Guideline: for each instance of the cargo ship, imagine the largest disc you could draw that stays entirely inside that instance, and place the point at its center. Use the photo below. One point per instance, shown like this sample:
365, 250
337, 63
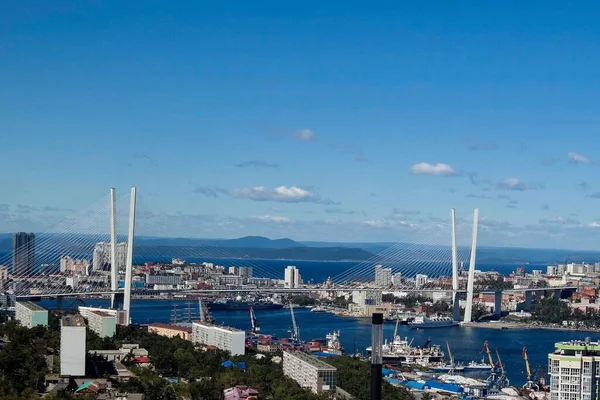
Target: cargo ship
433, 322
239, 304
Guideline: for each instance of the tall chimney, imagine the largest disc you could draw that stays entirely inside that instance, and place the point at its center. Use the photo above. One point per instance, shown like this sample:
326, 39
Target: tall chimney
376, 355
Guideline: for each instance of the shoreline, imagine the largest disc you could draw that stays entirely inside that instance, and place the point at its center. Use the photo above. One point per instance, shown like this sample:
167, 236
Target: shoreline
523, 327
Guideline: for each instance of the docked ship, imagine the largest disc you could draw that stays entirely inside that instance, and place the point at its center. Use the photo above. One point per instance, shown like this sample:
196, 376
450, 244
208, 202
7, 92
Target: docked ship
400, 350
240, 304
478, 366
432, 322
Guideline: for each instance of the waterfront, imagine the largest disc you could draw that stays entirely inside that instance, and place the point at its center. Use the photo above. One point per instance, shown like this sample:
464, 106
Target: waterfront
466, 343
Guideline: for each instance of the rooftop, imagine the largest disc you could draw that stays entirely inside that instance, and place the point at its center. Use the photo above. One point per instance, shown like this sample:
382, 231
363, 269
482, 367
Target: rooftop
187, 329
32, 306
307, 358
222, 327
102, 313
73, 320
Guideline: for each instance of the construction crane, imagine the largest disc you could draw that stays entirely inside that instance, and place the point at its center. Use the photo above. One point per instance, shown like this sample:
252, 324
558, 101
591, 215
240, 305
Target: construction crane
253, 320
451, 358
531, 383
502, 379
295, 332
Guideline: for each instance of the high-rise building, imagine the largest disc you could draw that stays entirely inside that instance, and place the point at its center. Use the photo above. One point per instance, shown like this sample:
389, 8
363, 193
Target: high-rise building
75, 266
103, 323
222, 337
292, 278
310, 372
102, 256
383, 276
30, 314
23, 253
574, 370
420, 280
72, 346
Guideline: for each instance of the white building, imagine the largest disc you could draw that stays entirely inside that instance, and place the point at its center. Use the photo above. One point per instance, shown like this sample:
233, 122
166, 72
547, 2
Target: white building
310, 372
397, 279
3, 273
30, 314
72, 346
75, 266
551, 270
292, 278
383, 276
102, 256
223, 337
103, 323
574, 370
120, 316
420, 280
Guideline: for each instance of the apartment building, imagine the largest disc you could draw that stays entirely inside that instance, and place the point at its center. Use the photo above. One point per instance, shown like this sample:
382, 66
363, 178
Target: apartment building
30, 314
222, 337
310, 372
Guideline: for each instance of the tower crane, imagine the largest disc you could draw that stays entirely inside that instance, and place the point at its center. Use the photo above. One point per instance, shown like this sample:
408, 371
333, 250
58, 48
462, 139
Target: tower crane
295, 332
451, 358
492, 378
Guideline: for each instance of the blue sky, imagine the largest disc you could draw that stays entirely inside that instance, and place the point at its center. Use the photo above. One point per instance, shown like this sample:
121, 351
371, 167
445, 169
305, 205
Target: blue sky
339, 121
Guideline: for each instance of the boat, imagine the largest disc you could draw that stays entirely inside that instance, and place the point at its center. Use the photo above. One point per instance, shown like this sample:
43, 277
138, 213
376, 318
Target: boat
432, 322
478, 366
445, 367
239, 304
400, 350
334, 347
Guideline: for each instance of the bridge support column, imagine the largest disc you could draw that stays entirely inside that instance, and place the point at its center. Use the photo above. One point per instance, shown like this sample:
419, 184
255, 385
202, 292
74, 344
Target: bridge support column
455, 295
498, 303
557, 293
528, 300
114, 268
59, 303
470, 282
129, 265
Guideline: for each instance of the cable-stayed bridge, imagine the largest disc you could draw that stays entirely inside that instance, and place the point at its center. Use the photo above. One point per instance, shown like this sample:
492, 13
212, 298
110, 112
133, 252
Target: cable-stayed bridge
93, 253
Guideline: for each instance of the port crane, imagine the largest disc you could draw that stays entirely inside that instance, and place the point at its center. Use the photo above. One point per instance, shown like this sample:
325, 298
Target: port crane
451, 359
531, 383
502, 380
295, 330
253, 320
493, 375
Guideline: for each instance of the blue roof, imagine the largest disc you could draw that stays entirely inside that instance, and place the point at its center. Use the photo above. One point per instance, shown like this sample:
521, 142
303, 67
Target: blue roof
447, 387
415, 385
322, 354
84, 386
230, 363
387, 372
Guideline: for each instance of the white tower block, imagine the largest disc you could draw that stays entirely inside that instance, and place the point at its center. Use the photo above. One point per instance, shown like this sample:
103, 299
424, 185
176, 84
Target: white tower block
469, 308
129, 265
114, 269
455, 295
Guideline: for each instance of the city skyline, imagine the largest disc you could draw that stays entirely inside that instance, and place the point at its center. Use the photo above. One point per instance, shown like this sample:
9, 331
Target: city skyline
310, 122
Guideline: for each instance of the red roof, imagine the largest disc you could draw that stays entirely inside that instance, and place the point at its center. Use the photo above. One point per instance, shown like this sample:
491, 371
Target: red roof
141, 360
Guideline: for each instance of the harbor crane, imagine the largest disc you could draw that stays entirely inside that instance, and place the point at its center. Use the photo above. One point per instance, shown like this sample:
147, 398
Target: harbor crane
253, 320
502, 380
493, 375
295, 330
531, 383
451, 358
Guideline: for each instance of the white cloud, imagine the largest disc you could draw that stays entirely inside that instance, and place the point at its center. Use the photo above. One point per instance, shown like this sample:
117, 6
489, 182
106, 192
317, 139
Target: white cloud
272, 218
284, 194
576, 158
558, 221
594, 224
516, 184
439, 169
374, 223
305, 135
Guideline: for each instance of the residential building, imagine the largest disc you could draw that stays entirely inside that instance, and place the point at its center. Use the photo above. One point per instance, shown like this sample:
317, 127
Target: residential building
23, 253
168, 330
30, 314
118, 355
119, 314
75, 266
420, 280
102, 256
383, 276
397, 279
574, 369
3, 276
223, 337
310, 372
551, 270
240, 393
292, 278
72, 345
163, 279
245, 272
103, 323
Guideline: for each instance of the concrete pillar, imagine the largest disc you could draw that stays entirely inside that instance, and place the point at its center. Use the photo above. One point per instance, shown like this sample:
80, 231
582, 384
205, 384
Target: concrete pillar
528, 300
455, 295
129, 265
498, 303
114, 270
557, 293
59, 303
471, 280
